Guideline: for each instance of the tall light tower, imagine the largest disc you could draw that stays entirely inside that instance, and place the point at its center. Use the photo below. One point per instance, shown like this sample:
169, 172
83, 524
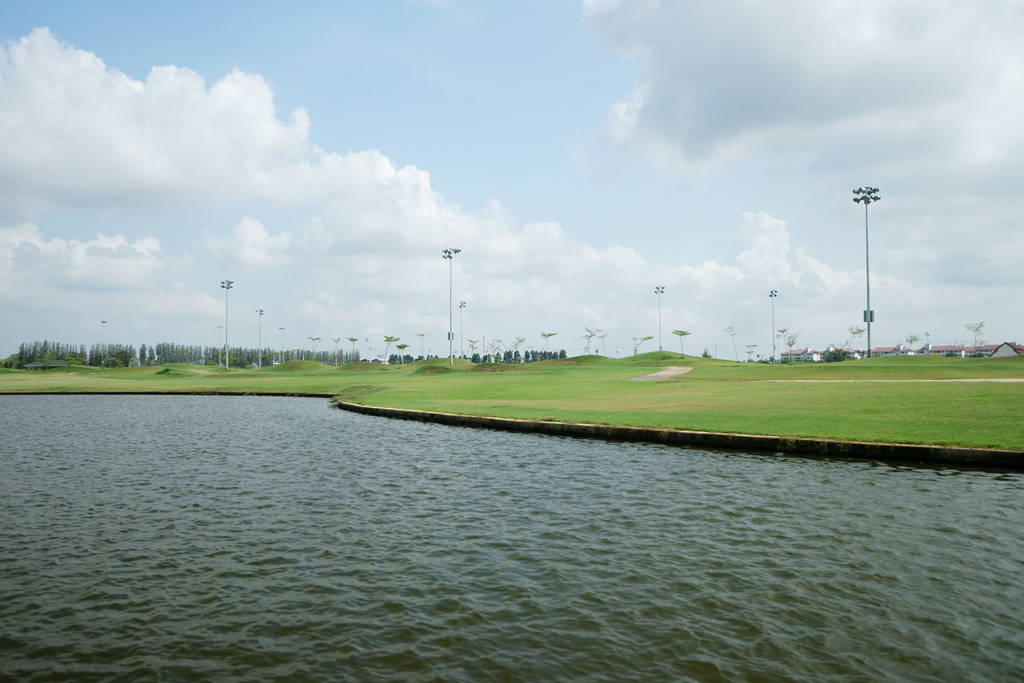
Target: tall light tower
659, 290
867, 195
259, 338
462, 307
280, 357
449, 255
771, 297
103, 353
226, 285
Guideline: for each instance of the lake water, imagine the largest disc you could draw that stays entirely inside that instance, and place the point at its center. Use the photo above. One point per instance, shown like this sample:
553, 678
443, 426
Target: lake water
258, 538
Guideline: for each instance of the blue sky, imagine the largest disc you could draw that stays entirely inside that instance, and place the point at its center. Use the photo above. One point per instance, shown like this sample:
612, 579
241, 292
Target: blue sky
578, 153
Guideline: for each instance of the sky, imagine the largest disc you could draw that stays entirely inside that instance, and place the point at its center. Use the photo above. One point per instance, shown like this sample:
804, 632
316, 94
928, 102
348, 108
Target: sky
322, 154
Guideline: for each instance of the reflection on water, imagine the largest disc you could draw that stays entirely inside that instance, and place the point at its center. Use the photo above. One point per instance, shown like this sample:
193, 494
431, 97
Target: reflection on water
245, 538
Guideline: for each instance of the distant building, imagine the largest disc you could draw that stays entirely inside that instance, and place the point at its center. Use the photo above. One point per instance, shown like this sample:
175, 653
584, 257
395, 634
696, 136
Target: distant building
1007, 349
947, 351
808, 355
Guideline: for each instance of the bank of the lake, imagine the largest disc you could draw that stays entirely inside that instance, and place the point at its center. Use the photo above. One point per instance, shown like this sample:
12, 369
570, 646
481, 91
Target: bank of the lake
238, 538
932, 401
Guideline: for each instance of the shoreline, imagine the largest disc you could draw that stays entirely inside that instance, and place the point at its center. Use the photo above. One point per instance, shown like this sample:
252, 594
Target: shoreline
825, 448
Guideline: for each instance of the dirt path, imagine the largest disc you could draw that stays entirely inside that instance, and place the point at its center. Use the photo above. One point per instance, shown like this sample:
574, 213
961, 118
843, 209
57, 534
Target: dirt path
663, 374
201, 372
839, 381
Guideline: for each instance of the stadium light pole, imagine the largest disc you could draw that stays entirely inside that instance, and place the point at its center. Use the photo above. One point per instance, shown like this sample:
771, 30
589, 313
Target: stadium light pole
259, 338
226, 285
771, 297
462, 307
867, 195
449, 255
659, 290
103, 354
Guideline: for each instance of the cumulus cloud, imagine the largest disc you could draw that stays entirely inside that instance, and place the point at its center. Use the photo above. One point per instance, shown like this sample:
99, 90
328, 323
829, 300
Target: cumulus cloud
364, 256
869, 80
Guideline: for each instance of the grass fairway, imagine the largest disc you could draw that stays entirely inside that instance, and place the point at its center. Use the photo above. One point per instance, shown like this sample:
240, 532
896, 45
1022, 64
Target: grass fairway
882, 399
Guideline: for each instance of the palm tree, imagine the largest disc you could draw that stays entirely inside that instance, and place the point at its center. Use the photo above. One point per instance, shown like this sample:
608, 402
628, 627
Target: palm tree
337, 351
421, 335
602, 342
516, 344
976, 329
496, 347
353, 340
401, 352
637, 341
750, 351
589, 335
313, 342
388, 341
731, 331
472, 345
546, 336
682, 334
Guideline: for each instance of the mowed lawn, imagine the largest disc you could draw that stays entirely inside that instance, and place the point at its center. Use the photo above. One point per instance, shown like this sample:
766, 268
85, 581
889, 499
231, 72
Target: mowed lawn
882, 399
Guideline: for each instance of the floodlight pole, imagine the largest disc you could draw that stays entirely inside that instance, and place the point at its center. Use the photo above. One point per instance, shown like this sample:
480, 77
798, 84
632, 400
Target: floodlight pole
259, 338
449, 255
462, 307
771, 297
659, 290
226, 285
866, 195
103, 353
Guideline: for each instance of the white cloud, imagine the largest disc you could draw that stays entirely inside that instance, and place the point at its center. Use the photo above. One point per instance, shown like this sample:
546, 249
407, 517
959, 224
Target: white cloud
250, 244
893, 83
366, 260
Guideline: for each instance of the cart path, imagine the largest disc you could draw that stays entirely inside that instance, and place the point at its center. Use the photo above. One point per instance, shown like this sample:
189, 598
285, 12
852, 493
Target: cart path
663, 374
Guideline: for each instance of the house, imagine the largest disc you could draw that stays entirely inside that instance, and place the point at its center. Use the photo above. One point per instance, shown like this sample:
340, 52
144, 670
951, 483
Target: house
886, 351
1007, 349
947, 351
983, 350
805, 355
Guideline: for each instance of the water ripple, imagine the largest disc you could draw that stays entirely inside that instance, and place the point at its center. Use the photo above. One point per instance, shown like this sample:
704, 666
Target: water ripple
240, 538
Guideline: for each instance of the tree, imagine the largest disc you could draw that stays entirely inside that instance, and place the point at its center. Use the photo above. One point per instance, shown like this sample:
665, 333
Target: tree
854, 333
516, 356
790, 339
401, 352
496, 346
912, 339
731, 331
976, 329
472, 343
750, 351
388, 341
682, 334
313, 341
637, 341
355, 354
588, 335
546, 336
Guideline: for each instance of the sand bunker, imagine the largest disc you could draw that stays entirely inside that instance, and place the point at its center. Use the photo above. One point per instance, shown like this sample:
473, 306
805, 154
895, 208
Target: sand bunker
663, 374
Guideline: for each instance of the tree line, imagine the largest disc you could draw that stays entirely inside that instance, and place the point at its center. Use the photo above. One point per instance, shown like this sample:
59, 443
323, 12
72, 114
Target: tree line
125, 355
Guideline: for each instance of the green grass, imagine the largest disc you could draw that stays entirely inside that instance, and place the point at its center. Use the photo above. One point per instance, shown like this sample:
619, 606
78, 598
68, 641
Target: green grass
715, 396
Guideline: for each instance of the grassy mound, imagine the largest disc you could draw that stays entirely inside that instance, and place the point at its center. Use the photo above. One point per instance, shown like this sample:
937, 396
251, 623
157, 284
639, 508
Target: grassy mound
297, 366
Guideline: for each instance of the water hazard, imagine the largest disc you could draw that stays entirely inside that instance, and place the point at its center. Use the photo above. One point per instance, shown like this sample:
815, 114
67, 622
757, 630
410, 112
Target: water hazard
254, 538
